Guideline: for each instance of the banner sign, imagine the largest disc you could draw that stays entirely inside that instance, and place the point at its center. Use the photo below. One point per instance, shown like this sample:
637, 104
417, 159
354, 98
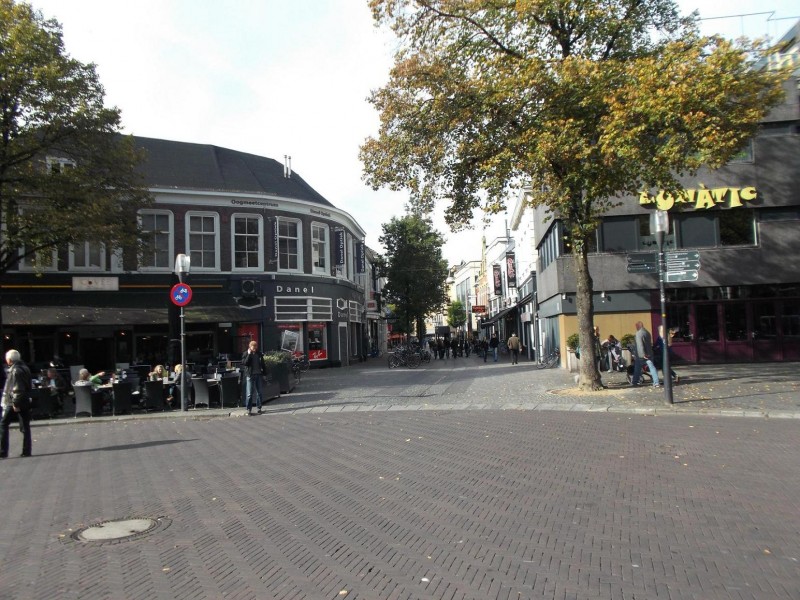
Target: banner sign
274, 225
338, 240
511, 270
361, 257
498, 280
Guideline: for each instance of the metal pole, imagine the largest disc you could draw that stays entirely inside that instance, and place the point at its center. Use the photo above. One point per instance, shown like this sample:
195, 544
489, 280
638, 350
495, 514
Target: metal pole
183, 364
665, 337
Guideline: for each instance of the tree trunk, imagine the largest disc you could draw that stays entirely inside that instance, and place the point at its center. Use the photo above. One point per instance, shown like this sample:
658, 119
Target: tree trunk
589, 375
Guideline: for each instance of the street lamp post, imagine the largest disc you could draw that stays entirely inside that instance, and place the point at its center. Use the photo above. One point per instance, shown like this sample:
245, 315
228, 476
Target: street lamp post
659, 226
182, 267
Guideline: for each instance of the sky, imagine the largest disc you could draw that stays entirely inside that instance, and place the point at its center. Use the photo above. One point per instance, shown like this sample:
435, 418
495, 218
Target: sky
277, 78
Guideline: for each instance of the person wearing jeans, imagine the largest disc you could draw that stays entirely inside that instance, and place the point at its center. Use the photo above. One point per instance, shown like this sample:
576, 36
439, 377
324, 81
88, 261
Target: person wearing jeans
253, 368
644, 354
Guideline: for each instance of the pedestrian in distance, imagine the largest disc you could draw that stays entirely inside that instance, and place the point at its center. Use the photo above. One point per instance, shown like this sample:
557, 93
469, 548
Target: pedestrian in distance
484, 349
494, 343
16, 403
253, 367
644, 355
658, 354
514, 346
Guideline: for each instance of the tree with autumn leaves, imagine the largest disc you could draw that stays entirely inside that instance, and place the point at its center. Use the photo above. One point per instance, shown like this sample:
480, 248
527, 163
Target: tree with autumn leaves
67, 176
583, 101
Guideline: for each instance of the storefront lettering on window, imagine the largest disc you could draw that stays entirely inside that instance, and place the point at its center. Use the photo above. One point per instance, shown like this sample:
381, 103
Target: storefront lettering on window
701, 198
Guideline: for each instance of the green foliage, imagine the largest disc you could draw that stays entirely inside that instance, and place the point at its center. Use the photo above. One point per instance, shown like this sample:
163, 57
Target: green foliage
456, 314
52, 107
627, 340
414, 269
577, 102
274, 358
573, 342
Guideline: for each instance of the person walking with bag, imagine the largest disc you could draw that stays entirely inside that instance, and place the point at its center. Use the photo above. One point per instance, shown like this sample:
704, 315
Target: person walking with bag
253, 367
16, 403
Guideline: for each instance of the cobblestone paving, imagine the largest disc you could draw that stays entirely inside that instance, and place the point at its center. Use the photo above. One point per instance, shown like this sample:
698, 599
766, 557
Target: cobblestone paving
393, 491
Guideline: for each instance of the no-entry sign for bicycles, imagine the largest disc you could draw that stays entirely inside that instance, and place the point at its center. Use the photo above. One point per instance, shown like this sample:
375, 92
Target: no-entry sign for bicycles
180, 294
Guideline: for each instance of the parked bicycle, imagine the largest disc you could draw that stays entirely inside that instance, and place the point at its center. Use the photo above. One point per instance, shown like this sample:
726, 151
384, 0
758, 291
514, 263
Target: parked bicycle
551, 361
404, 356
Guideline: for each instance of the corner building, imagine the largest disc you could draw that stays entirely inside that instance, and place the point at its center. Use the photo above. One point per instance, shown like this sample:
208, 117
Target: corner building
271, 260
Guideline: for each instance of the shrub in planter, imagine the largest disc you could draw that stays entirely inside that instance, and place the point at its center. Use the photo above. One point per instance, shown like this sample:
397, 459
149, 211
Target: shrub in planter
573, 344
627, 340
280, 366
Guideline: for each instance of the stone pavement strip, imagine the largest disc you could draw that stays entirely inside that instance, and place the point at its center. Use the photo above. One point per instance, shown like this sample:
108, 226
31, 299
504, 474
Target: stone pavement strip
325, 497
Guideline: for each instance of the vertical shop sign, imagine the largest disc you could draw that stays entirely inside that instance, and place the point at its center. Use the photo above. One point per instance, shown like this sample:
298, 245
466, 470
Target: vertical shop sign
274, 240
498, 280
338, 240
511, 270
361, 257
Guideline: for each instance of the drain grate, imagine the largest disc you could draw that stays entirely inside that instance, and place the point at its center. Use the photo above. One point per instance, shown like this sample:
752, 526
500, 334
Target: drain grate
117, 531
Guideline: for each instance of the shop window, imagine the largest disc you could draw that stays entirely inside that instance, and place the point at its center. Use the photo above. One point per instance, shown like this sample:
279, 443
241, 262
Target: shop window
293, 308
158, 240
707, 323
737, 228
356, 310
317, 341
202, 240
319, 248
619, 234
765, 325
790, 319
735, 323
248, 239
678, 321
290, 243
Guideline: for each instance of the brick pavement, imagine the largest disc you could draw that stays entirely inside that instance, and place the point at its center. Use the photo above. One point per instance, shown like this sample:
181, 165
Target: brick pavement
388, 491
481, 504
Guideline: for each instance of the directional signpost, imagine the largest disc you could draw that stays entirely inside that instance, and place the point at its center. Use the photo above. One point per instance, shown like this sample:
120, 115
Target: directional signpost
682, 266
642, 262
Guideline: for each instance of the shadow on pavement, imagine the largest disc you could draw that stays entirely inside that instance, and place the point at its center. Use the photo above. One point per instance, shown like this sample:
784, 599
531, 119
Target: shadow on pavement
121, 447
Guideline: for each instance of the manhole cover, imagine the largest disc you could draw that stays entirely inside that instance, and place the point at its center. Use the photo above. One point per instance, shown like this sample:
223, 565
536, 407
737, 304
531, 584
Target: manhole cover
118, 530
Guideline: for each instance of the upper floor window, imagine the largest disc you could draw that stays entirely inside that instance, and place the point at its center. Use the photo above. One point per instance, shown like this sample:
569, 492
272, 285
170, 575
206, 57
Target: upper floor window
319, 248
59, 165
290, 245
157, 229
248, 248
87, 256
202, 240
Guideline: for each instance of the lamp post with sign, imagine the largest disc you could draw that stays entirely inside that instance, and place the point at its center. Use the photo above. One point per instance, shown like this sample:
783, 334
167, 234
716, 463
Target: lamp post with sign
659, 226
181, 295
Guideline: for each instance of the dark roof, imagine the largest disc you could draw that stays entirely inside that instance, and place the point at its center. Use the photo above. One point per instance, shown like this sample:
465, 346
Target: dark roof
181, 165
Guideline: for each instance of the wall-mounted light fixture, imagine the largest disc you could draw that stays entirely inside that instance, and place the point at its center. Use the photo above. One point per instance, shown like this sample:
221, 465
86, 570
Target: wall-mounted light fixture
563, 295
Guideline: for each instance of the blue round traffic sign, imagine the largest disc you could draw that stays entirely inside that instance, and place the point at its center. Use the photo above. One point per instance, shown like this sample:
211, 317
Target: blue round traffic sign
181, 294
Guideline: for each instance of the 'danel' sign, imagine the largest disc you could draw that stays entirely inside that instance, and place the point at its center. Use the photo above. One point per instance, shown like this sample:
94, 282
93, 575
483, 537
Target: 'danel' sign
180, 294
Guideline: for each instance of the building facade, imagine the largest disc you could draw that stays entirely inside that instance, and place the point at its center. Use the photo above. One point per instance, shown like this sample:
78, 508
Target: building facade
740, 222
271, 260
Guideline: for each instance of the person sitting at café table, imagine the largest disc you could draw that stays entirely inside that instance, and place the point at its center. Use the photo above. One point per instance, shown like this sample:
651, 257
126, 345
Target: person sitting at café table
85, 378
175, 389
56, 384
157, 373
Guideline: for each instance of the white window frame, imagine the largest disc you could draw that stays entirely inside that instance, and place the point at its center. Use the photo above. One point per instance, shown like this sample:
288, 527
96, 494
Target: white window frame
24, 264
196, 267
171, 241
87, 247
57, 164
299, 240
260, 265
326, 268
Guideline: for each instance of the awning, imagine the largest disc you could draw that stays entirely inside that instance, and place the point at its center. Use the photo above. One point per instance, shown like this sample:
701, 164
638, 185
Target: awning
493, 319
70, 316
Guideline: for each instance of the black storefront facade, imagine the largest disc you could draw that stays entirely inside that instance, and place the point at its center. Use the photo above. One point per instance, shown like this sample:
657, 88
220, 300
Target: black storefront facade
272, 261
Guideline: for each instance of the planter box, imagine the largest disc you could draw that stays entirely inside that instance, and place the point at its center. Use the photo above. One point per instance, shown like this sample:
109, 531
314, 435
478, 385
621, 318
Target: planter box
271, 389
573, 362
281, 374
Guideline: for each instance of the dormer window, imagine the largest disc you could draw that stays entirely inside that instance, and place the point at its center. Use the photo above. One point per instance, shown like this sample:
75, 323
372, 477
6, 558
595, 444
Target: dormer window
57, 165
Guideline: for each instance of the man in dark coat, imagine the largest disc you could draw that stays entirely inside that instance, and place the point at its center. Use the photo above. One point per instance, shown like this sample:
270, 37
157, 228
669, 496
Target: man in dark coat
16, 403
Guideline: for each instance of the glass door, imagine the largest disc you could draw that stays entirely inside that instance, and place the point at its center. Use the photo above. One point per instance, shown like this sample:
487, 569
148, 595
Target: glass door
709, 338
